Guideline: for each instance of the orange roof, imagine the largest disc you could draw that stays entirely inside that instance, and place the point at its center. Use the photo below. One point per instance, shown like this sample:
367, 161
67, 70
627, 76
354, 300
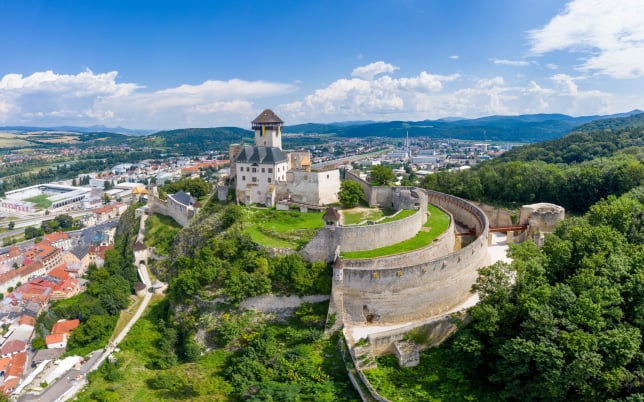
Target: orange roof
65, 326
60, 271
54, 237
104, 210
139, 190
54, 338
17, 365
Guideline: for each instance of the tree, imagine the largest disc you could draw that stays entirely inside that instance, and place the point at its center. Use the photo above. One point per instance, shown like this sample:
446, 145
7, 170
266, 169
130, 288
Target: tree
65, 221
350, 194
31, 232
11, 225
382, 176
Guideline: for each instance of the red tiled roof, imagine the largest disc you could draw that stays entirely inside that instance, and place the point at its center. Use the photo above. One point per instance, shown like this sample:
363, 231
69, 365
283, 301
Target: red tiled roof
65, 326
60, 271
53, 237
13, 346
54, 338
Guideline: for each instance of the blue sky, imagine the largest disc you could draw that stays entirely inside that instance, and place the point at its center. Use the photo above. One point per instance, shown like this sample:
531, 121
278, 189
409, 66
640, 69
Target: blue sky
170, 64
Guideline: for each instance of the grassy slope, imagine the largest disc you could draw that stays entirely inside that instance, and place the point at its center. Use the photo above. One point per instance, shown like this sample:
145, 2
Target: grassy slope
160, 231
285, 229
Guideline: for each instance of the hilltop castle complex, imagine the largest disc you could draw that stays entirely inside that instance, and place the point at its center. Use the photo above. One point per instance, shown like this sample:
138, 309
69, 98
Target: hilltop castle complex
265, 174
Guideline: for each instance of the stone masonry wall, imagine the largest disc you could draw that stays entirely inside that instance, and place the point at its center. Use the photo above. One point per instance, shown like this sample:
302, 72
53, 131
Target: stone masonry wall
421, 289
441, 246
159, 206
358, 238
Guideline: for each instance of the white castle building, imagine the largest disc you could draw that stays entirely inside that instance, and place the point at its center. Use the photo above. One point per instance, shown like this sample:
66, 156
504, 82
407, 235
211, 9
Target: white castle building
264, 174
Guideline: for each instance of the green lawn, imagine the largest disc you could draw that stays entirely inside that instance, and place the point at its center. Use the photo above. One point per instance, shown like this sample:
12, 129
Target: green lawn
41, 201
356, 215
437, 222
400, 215
284, 229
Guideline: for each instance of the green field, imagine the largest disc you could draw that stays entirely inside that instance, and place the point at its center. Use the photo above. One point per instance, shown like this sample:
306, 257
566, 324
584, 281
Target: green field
41, 201
283, 229
437, 222
400, 215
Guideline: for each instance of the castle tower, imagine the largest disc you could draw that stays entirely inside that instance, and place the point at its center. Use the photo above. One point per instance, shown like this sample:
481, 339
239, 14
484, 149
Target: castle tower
268, 129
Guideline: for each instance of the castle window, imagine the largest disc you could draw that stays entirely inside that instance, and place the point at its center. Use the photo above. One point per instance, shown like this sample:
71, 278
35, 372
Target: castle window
263, 170
269, 179
254, 170
248, 169
270, 170
243, 178
241, 168
254, 179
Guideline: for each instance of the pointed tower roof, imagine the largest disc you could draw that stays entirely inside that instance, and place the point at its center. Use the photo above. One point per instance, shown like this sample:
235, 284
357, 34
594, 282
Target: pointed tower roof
267, 117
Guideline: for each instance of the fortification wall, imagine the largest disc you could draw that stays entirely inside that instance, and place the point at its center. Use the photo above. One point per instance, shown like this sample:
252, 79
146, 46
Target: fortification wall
497, 216
163, 207
420, 289
441, 246
425, 334
358, 238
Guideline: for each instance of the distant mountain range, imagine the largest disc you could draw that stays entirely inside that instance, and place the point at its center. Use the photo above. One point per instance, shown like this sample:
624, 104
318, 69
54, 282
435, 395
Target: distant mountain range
77, 129
523, 128
520, 129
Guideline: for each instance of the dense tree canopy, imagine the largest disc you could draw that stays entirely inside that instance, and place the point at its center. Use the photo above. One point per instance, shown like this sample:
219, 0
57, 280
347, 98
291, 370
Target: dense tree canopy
382, 175
350, 193
563, 322
197, 187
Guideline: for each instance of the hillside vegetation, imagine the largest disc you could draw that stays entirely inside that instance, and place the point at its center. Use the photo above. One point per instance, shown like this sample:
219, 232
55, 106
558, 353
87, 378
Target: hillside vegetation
575, 171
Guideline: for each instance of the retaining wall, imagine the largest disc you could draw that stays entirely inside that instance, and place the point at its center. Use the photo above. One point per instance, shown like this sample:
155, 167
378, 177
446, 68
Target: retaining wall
359, 238
419, 289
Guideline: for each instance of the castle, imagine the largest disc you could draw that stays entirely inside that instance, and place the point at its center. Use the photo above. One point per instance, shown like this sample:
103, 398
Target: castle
264, 174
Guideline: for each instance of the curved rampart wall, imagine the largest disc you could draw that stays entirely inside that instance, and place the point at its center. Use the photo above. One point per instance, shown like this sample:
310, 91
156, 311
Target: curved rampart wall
441, 246
423, 288
358, 238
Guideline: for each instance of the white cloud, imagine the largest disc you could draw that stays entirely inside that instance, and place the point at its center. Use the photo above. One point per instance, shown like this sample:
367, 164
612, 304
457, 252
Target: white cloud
552, 66
86, 98
47, 98
610, 32
369, 71
514, 63
428, 96
454, 57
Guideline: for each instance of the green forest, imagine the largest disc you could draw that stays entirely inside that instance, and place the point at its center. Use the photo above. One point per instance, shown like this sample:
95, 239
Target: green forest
574, 171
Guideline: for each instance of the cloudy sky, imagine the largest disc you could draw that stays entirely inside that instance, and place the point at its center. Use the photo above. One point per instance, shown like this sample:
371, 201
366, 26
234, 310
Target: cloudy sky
169, 64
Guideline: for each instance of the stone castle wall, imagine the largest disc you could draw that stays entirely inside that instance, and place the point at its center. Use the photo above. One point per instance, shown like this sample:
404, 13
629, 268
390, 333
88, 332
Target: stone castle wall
441, 246
176, 211
359, 238
418, 289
